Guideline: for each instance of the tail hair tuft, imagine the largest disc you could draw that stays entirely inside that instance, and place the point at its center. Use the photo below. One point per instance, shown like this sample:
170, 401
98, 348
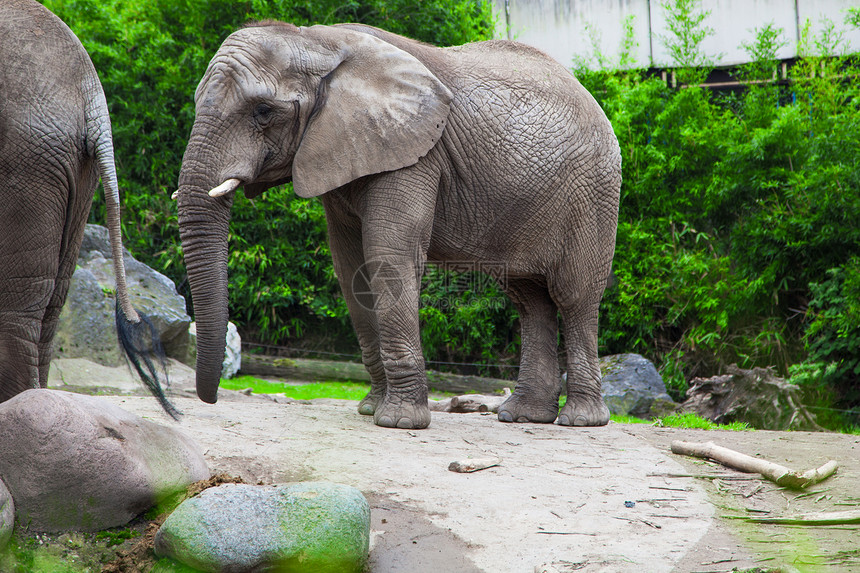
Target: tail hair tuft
141, 345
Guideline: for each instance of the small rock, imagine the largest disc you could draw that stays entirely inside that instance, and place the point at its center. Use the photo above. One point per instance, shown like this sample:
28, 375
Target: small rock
232, 352
7, 515
632, 386
473, 465
75, 462
313, 527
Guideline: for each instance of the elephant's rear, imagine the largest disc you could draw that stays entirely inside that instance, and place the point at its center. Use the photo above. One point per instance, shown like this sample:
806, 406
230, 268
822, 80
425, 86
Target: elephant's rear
48, 184
550, 157
42, 83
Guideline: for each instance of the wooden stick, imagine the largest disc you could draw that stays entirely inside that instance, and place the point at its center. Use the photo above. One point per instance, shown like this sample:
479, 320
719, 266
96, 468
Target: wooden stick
478, 402
473, 465
443, 405
470, 403
822, 518
776, 473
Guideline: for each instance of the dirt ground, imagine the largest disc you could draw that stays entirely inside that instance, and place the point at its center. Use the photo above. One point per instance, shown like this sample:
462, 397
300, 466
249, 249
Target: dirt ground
561, 499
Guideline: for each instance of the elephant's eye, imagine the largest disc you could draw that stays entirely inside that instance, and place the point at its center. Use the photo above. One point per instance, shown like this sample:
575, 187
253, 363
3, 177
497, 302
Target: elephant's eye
263, 113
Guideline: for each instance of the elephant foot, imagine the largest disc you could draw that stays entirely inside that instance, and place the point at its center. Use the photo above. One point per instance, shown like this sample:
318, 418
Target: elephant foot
368, 404
584, 411
519, 408
402, 414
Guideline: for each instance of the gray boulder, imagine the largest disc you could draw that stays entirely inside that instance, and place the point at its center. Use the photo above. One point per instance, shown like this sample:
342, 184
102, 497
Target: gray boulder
75, 462
316, 527
633, 387
757, 397
87, 377
7, 515
86, 328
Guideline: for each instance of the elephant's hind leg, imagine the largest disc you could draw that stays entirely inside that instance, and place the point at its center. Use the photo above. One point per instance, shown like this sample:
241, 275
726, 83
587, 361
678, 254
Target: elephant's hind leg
19, 348
535, 398
585, 405
28, 268
80, 200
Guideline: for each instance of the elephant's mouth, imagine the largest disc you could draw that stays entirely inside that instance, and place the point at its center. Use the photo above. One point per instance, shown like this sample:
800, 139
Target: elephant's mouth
254, 189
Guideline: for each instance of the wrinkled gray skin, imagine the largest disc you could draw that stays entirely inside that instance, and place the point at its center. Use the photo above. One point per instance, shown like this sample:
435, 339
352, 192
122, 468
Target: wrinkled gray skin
488, 152
55, 143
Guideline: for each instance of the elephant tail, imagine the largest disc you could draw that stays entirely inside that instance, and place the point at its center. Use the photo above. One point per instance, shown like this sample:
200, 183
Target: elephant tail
141, 344
138, 338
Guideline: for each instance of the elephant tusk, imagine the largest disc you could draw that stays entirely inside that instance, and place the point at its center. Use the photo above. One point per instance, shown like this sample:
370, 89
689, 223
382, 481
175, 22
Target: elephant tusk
225, 188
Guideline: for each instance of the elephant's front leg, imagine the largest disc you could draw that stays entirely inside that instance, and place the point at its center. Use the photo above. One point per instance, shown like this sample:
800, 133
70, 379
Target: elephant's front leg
348, 258
397, 219
395, 283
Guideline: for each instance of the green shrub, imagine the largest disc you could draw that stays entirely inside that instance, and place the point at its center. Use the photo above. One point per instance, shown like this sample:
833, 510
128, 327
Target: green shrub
831, 373
734, 208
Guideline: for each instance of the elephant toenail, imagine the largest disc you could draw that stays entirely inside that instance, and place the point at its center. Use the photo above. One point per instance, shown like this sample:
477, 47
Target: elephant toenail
563, 420
505, 416
405, 423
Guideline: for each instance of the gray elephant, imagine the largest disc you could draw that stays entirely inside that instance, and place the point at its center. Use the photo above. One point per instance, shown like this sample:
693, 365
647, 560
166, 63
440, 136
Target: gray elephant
55, 143
489, 152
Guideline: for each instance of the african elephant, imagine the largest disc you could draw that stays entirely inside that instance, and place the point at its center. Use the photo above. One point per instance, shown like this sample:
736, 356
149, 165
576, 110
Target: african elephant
488, 152
55, 143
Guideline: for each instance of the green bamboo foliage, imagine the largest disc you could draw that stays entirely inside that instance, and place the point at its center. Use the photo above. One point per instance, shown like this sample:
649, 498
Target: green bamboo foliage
738, 241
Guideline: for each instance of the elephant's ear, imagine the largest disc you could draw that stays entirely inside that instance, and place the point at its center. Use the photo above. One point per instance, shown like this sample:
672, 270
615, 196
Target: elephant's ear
379, 109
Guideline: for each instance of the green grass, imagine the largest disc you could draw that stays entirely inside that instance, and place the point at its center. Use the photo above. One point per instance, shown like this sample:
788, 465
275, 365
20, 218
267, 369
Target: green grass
690, 420
625, 419
117, 536
339, 390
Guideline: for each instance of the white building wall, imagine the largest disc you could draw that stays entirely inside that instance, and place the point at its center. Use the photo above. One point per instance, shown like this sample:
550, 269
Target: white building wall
560, 27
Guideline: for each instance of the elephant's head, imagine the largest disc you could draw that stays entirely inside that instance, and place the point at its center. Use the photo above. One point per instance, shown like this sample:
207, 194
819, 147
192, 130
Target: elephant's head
320, 107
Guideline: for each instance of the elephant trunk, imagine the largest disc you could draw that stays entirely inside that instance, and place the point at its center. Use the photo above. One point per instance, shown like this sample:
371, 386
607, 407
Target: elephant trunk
203, 228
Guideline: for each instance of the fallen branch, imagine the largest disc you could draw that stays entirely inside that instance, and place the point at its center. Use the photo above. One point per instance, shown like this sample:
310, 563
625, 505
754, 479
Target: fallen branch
776, 473
470, 403
821, 518
637, 520
473, 465
443, 405
703, 476
565, 533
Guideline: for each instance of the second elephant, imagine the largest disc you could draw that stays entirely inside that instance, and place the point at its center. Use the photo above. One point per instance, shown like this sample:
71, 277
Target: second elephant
55, 144
485, 153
